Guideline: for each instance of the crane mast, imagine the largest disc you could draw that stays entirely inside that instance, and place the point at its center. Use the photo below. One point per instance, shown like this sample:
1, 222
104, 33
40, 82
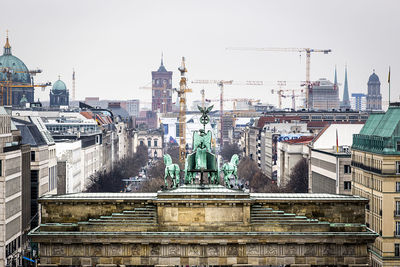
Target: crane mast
182, 111
308, 52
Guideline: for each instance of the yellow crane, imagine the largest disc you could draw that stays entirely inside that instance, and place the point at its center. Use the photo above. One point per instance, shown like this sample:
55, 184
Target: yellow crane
308, 52
182, 111
221, 84
7, 85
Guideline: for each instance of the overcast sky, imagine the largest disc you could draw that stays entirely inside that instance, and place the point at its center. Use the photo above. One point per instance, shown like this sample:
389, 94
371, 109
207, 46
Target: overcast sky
114, 45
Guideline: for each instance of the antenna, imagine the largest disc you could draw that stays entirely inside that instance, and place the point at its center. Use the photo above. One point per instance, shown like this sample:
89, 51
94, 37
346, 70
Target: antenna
73, 85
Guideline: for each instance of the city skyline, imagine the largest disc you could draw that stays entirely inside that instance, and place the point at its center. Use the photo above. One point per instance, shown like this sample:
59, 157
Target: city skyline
114, 52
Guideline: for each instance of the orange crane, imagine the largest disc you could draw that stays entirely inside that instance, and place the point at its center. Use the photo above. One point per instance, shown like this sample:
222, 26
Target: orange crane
308, 52
7, 85
221, 84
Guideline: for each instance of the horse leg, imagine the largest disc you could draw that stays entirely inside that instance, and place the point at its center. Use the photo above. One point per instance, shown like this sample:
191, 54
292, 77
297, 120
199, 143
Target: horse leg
165, 178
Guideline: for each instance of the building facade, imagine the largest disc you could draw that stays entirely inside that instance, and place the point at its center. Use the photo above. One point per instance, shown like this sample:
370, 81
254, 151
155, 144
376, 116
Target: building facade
376, 176
331, 171
358, 102
290, 152
10, 192
133, 107
323, 95
153, 139
374, 96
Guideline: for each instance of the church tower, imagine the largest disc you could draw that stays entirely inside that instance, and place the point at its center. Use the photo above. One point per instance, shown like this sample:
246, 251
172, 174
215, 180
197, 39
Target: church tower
374, 97
346, 100
59, 95
161, 89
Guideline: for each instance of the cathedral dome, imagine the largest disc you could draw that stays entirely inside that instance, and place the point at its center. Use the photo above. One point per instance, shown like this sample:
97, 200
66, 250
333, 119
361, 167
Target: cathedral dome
19, 69
373, 78
59, 85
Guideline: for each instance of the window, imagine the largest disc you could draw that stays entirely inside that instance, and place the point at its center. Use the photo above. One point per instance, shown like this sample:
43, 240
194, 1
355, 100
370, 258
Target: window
397, 229
397, 211
347, 185
397, 186
397, 167
155, 143
398, 145
33, 156
149, 143
141, 143
347, 169
397, 250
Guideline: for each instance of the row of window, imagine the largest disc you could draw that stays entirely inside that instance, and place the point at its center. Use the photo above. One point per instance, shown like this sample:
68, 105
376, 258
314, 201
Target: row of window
149, 143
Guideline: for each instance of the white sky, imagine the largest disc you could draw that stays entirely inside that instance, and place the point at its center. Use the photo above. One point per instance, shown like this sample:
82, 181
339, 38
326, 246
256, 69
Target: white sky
114, 45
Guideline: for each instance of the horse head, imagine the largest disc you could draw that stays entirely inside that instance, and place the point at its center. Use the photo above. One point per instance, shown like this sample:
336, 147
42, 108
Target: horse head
235, 159
167, 160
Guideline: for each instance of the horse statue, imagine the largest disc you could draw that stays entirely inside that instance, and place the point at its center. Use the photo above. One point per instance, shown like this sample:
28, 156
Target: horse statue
188, 175
171, 170
229, 169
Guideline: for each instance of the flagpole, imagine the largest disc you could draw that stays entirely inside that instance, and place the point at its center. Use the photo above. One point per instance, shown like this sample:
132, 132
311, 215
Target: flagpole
389, 85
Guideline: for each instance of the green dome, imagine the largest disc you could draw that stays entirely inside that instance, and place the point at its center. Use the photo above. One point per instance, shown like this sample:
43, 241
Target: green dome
59, 85
7, 60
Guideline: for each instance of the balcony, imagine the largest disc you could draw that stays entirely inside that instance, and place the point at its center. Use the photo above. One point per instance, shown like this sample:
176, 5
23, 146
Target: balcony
366, 168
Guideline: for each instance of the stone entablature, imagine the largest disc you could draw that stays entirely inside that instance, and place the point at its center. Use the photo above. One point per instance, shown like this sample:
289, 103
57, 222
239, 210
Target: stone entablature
209, 225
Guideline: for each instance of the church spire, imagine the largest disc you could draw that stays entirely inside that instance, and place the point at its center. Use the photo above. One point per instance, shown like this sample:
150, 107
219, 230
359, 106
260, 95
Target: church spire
162, 68
7, 46
346, 100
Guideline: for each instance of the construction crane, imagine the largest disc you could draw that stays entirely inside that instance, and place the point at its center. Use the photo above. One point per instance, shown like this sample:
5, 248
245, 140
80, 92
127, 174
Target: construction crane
235, 112
7, 85
308, 52
285, 93
182, 111
221, 84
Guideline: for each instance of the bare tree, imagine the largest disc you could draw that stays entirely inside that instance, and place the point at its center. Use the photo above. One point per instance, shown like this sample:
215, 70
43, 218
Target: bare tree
298, 182
229, 150
253, 176
111, 180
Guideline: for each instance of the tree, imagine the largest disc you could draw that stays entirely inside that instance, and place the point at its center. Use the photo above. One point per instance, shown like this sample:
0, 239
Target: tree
253, 176
229, 150
298, 182
111, 180
155, 178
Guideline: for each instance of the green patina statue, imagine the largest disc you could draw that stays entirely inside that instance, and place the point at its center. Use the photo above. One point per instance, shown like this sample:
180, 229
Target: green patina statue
202, 161
230, 169
171, 170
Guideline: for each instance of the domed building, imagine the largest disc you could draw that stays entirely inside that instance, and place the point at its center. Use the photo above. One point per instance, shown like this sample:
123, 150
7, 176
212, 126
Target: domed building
19, 76
59, 95
374, 96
